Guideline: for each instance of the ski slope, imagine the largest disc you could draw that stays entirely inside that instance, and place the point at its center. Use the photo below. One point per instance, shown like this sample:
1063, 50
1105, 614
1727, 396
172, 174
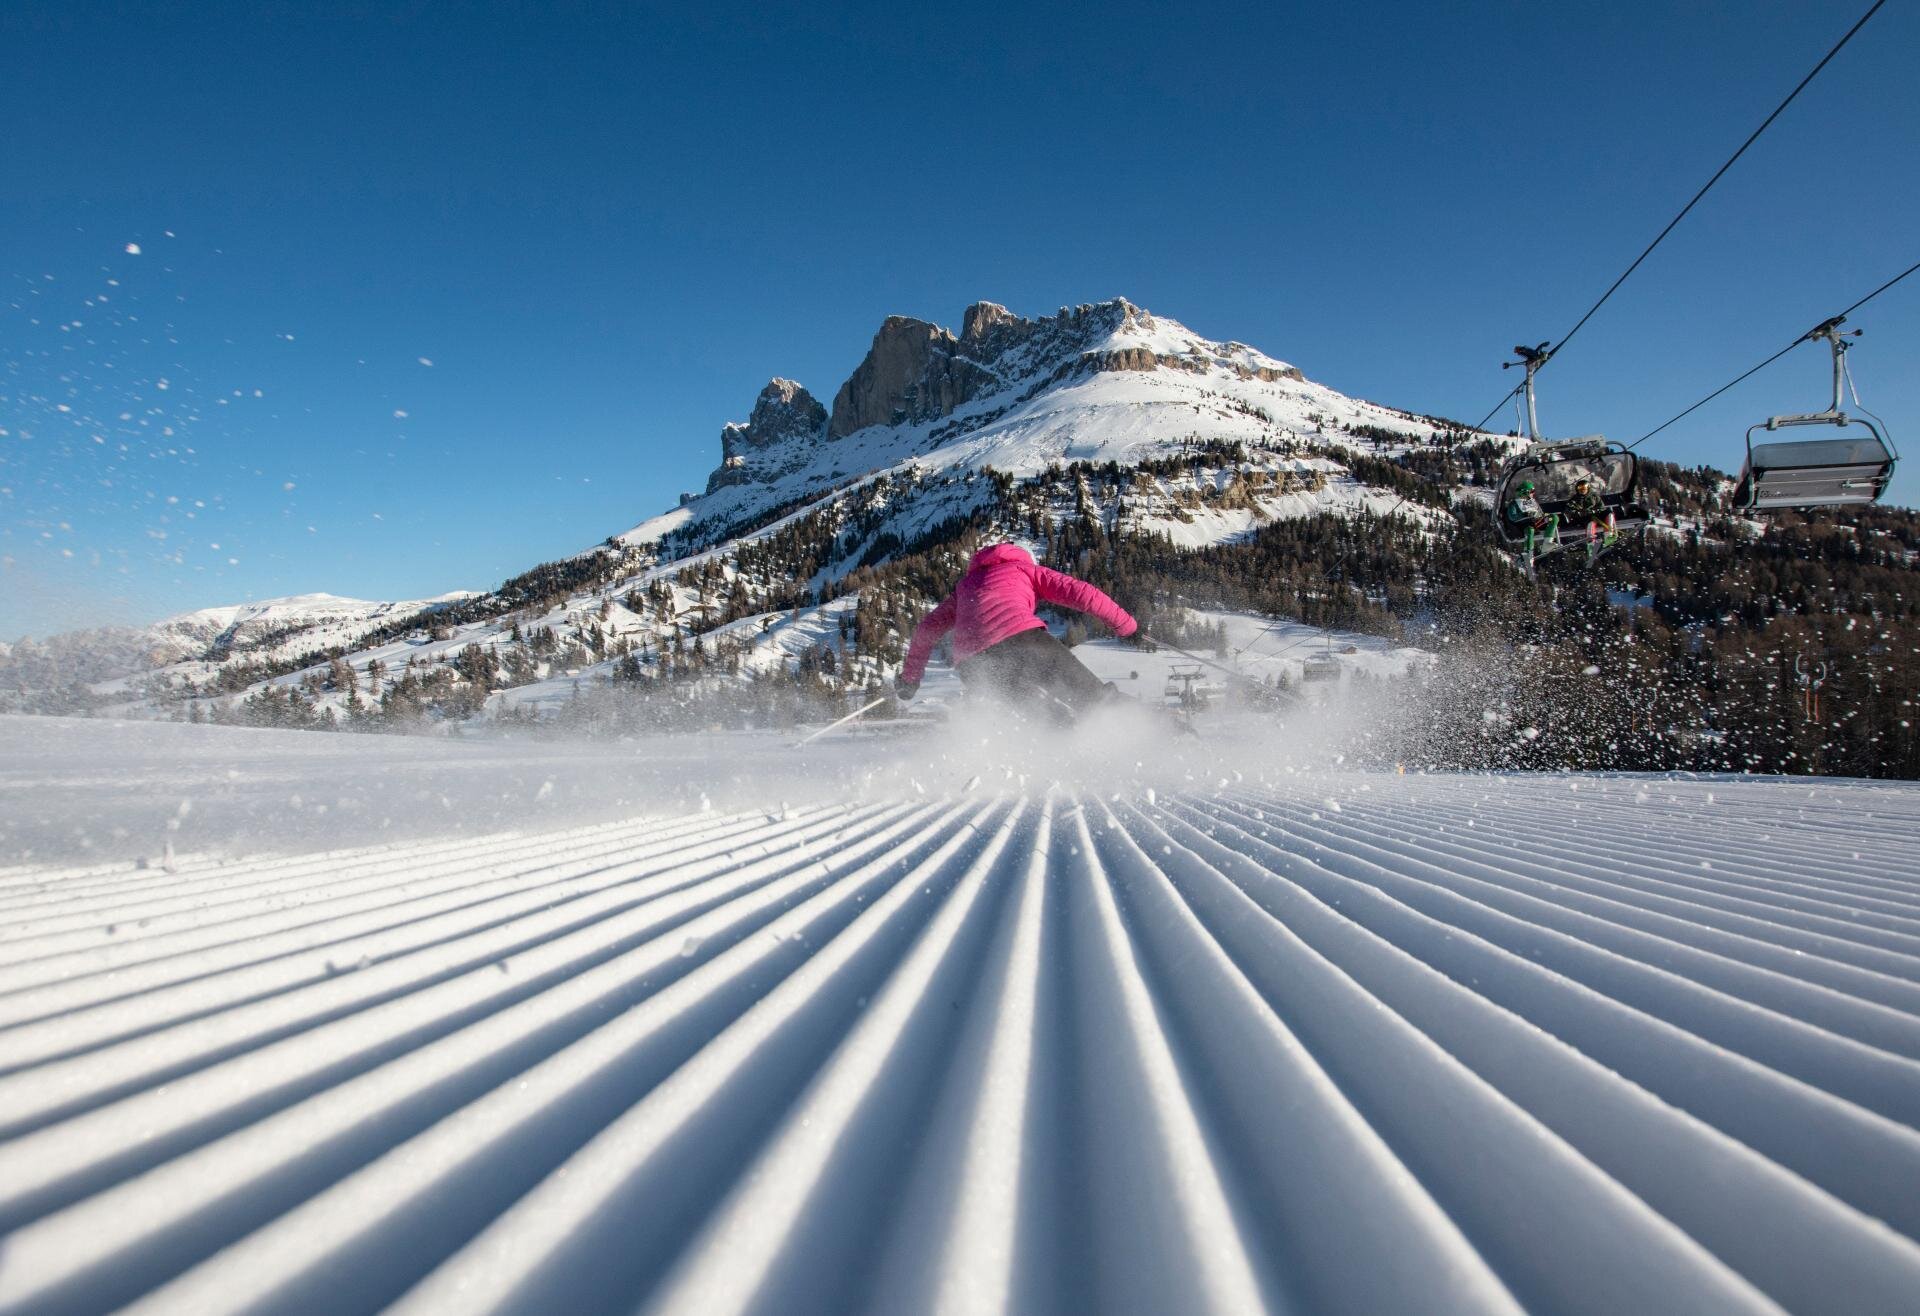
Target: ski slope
1298, 1041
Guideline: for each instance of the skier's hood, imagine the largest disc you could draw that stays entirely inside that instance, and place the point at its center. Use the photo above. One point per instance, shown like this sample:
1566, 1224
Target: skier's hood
994, 554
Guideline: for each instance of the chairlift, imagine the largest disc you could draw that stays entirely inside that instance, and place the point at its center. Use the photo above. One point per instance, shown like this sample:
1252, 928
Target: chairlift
1322, 666
1550, 475
1316, 667
1828, 472
1186, 686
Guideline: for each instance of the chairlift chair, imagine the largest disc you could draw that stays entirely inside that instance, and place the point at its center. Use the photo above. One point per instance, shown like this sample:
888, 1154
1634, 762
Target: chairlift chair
1555, 471
1316, 667
1186, 686
1830, 472
1322, 666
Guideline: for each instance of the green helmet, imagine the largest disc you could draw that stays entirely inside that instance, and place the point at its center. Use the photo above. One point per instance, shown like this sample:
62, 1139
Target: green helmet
1526, 486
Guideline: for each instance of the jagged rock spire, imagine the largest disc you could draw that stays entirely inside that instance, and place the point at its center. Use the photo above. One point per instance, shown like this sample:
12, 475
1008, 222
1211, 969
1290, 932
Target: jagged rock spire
784, 411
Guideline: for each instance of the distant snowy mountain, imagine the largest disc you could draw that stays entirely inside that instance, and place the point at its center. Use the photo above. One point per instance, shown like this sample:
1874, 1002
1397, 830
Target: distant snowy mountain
310, 617
118, 658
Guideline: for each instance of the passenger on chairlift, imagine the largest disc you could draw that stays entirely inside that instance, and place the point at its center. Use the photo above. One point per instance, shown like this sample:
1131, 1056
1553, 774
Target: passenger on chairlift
1524, 510
1586, 503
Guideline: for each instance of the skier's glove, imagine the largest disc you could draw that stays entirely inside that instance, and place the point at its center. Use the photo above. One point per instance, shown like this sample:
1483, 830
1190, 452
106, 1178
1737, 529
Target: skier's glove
1140, 640
905, 690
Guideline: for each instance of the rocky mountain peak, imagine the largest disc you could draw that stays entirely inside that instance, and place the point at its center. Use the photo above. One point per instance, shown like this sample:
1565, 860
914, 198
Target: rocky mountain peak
982, 318
784, 411
916, 372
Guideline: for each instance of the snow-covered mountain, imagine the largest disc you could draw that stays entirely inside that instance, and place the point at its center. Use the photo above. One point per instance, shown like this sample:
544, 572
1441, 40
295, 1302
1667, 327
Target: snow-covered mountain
313, 618
934, 431
119, 657
1102, 383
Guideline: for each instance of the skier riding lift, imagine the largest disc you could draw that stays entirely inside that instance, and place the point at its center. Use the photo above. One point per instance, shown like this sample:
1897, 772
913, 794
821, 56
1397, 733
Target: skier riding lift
1524, 510
1589, 507
1586, 503
1000, 647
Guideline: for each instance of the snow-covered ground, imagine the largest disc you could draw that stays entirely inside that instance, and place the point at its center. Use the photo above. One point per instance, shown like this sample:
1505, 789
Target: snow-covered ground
948, 1021
81, 789
1259, 648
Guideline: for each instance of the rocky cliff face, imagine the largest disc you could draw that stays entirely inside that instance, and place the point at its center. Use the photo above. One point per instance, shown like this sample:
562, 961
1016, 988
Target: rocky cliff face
783, 412
916, 372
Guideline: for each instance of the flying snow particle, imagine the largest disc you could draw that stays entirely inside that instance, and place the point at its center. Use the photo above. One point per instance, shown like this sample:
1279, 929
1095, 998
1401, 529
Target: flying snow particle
399, 414
287, 486
424, 360
133, 249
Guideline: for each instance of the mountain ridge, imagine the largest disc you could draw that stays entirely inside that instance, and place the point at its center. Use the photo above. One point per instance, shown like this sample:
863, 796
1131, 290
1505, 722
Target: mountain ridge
1100, 381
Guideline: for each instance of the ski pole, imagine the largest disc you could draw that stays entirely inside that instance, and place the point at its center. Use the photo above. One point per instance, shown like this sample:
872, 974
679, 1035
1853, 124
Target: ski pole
864, 708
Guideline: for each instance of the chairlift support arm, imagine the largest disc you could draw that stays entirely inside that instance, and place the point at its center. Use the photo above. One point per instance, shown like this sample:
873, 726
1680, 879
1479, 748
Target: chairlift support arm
1532, 358
1828, 331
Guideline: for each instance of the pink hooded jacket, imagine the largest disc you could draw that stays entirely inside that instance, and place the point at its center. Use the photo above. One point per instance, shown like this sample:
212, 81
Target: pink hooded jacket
996, 599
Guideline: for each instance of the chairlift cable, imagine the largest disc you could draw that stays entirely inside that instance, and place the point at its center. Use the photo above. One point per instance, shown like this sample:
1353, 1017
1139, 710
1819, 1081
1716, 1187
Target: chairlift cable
1882, 288
1717, 392
1672, 223
1770, 360
1791, 97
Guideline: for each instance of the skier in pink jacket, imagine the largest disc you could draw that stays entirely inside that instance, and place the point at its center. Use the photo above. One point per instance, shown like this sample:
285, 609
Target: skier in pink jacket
999, 645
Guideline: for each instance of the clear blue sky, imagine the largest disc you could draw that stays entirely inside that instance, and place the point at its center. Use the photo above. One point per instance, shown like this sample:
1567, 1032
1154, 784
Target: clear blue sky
607, 226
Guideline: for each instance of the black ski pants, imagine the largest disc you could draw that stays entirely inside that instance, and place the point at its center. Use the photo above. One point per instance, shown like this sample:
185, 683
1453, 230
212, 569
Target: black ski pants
1034, 668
